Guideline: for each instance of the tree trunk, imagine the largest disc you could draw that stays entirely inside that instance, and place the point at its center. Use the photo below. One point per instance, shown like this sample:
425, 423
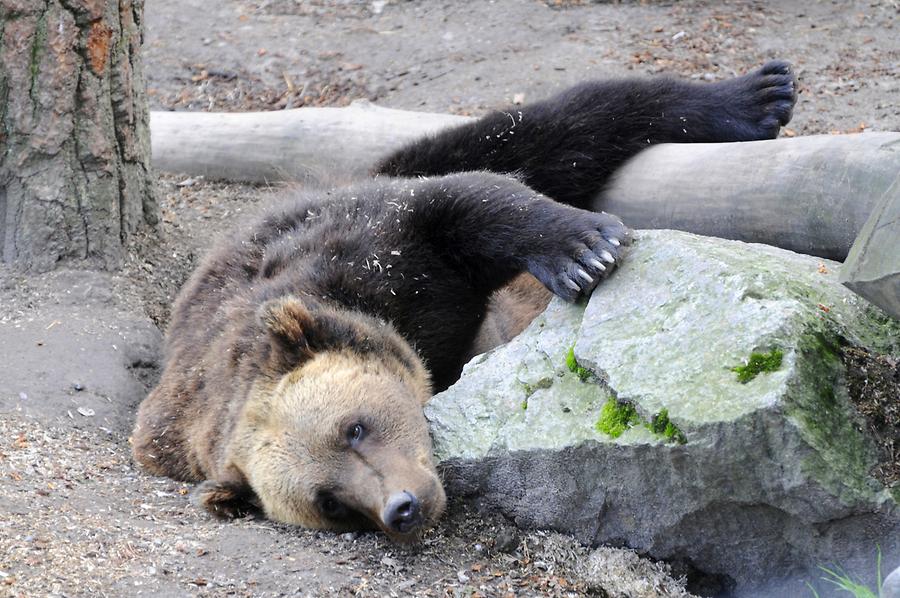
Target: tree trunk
75, 175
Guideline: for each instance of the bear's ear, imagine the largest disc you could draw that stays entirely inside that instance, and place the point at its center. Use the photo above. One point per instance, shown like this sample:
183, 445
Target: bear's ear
226, 499
288, 321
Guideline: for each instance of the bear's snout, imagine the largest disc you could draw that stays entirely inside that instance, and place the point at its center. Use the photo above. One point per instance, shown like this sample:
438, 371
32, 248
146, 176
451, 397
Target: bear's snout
401, 513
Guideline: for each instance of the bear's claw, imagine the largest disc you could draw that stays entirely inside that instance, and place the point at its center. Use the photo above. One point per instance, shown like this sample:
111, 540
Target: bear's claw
590, 249
595, 263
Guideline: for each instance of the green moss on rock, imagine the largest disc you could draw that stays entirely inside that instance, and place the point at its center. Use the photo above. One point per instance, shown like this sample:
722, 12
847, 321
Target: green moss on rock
583, 373
843, 453
530, 389
616, 417
757, 364
662, 426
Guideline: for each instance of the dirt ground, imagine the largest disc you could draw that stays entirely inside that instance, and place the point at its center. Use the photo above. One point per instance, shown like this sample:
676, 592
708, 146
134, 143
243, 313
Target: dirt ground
77, 518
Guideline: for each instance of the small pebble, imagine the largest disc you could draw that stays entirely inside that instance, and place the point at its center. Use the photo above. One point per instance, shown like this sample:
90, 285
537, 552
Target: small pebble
479, 548
349, 536
85, 411
189, 182
78, 386
23, 396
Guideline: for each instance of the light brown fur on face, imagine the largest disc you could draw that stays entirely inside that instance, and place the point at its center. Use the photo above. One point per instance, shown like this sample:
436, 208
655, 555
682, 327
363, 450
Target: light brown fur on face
292, 444
272, 428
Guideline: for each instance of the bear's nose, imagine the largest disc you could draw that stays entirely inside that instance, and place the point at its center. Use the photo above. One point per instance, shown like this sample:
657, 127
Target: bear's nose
401, 512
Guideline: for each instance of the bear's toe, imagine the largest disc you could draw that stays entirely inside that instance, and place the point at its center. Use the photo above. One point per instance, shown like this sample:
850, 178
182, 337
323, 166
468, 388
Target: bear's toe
776, 67
774, 91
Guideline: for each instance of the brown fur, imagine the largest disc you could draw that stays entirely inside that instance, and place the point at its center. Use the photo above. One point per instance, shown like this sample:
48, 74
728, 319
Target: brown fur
288, 474
297, 353
245, 424
510, 311
270, 362
242, 426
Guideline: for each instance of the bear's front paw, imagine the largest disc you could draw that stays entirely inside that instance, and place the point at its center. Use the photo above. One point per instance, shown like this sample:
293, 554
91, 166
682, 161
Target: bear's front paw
584, 251
226, 500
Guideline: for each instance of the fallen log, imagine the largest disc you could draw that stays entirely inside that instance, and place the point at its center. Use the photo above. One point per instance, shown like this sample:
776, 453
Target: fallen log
808, 194
304, 144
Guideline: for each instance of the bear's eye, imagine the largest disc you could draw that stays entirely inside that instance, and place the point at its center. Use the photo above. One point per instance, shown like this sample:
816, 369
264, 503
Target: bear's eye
331, 507
355, 434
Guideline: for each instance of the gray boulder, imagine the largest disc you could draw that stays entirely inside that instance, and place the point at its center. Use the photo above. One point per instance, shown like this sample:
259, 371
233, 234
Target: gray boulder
705, 407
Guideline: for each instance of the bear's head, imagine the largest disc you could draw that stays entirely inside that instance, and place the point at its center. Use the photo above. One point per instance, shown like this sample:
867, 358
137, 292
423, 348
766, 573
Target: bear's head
333, 435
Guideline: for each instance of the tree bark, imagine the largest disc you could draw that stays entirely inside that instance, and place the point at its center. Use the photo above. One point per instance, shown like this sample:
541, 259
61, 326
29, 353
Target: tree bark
75, 175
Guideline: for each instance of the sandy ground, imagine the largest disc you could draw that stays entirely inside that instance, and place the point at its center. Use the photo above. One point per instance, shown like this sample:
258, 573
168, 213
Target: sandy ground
467, 57
77, 518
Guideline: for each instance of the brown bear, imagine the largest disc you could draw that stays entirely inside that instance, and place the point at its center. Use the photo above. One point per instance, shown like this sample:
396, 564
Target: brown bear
300, 352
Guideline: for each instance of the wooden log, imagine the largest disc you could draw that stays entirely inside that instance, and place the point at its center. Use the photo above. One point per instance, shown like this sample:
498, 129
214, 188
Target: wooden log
303, 144
808, 194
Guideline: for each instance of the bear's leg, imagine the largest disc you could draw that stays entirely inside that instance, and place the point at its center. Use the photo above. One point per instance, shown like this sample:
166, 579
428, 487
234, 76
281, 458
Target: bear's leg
567, 146
489, 228
454, 240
